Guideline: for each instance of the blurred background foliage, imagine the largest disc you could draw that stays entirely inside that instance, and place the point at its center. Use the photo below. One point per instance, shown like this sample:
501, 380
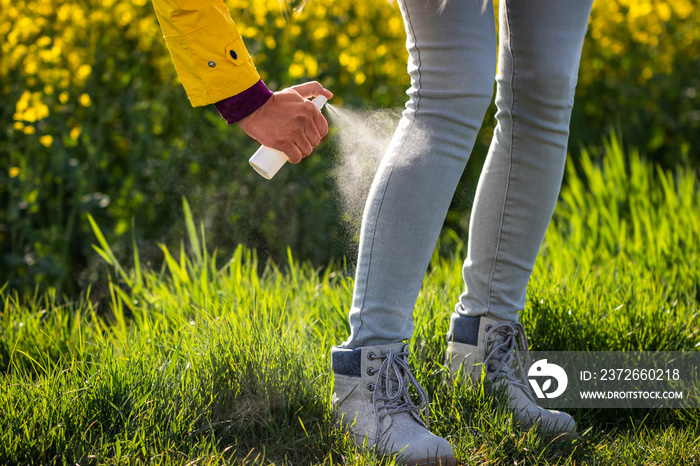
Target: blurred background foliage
93, 120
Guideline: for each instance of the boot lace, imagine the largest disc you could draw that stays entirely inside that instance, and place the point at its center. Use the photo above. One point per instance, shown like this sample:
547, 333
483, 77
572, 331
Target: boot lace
391, 391
504, 343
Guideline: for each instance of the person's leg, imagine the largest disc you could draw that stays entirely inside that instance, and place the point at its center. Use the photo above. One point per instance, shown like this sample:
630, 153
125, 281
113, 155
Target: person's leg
539, 53
452, 65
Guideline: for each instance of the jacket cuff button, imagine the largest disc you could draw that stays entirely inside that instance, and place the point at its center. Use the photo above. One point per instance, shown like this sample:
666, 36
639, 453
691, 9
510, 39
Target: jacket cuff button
212, 64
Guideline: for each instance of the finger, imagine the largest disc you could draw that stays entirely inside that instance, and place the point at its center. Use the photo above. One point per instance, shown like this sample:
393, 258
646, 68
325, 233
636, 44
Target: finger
321, 124
312, 134
293, 153
305, 146
312, 89
310, 125
328, 94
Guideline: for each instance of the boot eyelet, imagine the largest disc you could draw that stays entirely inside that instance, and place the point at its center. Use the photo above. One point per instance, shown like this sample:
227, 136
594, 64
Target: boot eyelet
371, 371
488, 327
370, 387
371, 356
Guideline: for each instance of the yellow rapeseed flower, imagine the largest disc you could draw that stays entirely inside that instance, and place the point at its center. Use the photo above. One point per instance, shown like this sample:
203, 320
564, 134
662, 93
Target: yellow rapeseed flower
43, 41
14, 172
311, 66
46, 140
343, 40
85, 100
31, 66
84, 71
296, 70
23, 102
29, 107
683, 8
320, 33
396, 25
75, 132
30, 115
29, 130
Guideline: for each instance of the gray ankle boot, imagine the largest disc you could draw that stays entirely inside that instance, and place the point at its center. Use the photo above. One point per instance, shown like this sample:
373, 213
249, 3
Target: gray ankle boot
485, 347
371, 400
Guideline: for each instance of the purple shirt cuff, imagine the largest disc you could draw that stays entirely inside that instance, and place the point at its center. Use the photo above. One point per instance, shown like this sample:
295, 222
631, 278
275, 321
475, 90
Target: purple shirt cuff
241, 105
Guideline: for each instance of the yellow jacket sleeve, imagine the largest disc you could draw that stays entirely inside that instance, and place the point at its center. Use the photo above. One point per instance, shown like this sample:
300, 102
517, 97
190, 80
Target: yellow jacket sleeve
207, 49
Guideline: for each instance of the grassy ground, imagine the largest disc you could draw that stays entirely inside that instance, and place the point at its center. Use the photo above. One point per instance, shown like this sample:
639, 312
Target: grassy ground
199, 364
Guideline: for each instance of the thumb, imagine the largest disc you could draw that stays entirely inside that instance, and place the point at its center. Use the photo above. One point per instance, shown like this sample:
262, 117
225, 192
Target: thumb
312, 89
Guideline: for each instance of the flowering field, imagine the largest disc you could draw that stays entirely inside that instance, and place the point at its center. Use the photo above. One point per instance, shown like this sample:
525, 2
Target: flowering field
94, 120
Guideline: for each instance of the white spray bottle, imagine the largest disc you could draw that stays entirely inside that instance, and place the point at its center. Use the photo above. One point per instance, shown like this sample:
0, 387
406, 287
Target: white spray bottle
267, 161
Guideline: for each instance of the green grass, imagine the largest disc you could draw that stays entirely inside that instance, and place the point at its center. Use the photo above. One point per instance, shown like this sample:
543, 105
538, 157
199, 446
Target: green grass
195, 363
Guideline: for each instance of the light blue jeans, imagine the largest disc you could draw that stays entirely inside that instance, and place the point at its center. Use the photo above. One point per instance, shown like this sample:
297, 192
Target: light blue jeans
452, 63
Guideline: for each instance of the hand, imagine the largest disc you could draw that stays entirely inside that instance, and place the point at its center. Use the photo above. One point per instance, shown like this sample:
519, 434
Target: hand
289, 122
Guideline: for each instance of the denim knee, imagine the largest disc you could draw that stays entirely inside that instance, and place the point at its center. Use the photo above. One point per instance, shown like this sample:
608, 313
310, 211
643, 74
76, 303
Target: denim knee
460, 94
546, 89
